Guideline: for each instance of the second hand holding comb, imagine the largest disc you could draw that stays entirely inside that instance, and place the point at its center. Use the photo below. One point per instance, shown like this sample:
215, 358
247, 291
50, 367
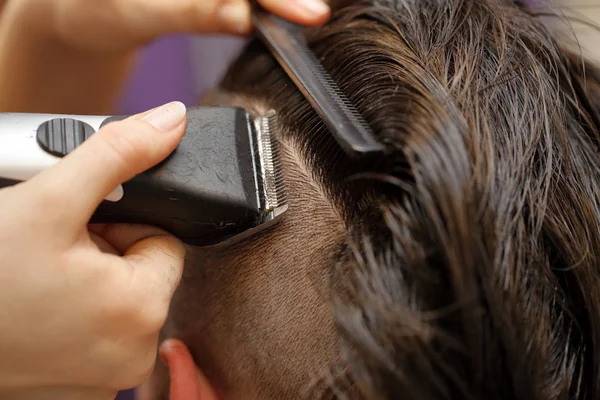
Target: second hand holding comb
287, 43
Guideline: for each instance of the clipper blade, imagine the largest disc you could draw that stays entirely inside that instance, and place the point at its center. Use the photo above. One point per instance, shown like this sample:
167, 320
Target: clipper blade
274, 196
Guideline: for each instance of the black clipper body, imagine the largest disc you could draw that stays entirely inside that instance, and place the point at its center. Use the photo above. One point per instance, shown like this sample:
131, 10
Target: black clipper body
223, 182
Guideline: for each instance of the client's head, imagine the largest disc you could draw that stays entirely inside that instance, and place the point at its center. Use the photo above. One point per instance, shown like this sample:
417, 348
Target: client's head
463, 264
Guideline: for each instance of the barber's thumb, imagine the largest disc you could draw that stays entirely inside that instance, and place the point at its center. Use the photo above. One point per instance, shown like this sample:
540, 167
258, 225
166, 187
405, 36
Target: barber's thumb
115, 154
158, 260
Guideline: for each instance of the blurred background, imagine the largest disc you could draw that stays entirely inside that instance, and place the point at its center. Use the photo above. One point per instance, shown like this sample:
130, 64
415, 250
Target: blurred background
585, 20
178, 68
183, 68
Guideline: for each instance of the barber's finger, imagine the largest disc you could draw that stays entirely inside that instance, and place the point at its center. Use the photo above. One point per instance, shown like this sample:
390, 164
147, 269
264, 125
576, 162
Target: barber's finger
157, 262
222, 16
103, 245
306, 12
113, 155
122, 236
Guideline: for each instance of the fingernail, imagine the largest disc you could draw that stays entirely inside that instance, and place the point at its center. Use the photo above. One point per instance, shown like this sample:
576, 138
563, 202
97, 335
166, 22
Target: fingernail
236, 17
167, 117
313, 7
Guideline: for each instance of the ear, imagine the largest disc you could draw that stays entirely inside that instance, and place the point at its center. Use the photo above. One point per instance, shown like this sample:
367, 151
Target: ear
187, 382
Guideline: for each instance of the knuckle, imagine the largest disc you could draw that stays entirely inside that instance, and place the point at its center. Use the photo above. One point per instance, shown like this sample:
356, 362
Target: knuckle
138, 306
140, 372
148, 312
152, 316
143, 375
135, 365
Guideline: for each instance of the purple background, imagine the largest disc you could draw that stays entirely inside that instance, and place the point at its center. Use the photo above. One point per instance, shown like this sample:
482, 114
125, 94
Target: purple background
177, 68
163, 74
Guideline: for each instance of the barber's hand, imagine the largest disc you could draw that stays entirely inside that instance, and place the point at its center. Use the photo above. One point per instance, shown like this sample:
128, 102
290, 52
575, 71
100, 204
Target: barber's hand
110, 24
81, 306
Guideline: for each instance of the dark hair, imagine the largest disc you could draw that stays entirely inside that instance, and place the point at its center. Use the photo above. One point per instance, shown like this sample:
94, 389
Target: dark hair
471, 268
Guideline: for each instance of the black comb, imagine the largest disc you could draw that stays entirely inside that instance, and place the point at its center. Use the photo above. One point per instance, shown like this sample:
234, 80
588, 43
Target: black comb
287, 43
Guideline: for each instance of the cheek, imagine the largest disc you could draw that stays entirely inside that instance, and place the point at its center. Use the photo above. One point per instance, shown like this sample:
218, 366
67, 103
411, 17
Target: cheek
258, 321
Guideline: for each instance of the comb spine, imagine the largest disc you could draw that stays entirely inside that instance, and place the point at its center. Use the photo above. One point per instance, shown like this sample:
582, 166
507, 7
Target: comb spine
288, 44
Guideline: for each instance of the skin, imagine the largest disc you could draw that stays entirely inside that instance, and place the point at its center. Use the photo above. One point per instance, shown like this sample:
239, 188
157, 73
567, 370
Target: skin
108, 286
72, 56
262, 285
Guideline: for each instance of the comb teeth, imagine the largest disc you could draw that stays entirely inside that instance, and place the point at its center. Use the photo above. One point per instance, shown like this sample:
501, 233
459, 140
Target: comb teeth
289, 46
344, 104
271, 166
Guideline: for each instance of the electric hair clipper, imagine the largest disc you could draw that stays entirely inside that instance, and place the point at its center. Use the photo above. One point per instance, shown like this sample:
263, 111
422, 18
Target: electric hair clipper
223, 183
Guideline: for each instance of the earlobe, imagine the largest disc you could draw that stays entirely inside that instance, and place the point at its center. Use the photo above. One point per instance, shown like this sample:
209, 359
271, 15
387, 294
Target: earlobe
187, 382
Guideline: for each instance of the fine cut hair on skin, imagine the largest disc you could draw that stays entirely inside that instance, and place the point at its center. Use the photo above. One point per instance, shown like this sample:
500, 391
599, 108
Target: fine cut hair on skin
465, 264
